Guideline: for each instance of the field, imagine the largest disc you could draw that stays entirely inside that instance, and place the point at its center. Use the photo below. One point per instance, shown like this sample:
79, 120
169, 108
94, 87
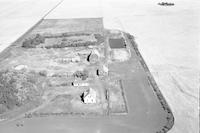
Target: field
83, 75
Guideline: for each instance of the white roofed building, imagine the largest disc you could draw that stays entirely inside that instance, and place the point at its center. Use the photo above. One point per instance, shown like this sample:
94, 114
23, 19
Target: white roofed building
90, 96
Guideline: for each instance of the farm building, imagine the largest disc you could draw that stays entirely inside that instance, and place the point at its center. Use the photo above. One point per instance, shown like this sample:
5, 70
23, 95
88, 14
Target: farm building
93, 57
102, 71
89, 96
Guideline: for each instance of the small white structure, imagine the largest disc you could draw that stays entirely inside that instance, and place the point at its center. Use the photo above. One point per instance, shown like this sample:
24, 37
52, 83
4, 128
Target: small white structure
80, 84
90, 96
20, 67
68, 59
102, 71
105, 69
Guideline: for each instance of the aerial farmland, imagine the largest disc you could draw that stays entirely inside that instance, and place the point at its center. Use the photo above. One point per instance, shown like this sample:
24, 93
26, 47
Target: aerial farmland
75, 70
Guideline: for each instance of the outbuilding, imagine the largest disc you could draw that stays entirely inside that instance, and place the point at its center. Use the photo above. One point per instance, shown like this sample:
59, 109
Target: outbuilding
93, 57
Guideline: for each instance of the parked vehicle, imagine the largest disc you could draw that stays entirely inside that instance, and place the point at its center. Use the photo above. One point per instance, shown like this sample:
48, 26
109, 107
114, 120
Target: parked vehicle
166, 4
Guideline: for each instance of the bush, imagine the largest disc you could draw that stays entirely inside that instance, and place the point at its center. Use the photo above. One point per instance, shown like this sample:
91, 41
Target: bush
81, 74
17, 88
43, 73
32, 42
99, 38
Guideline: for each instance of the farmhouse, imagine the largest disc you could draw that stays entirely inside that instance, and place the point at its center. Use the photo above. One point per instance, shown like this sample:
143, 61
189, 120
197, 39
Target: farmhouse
89, 96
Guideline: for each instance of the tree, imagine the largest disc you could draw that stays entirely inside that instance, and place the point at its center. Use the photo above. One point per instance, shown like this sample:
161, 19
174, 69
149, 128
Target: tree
32, 42
81, 74
8, 90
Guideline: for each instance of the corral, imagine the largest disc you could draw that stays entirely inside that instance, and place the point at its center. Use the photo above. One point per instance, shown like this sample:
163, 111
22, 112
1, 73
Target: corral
117, 43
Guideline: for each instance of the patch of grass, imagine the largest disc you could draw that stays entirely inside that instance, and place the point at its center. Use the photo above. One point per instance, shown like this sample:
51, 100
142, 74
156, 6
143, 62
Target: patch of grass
82, 40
